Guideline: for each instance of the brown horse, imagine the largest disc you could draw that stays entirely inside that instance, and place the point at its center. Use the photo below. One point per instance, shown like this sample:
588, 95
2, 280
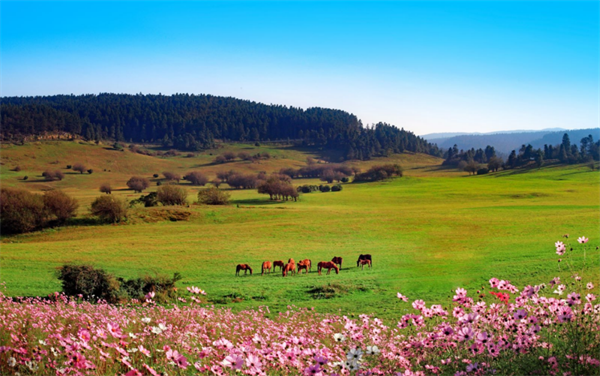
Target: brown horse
328, 265
278, 263
289, 268
244, 267
364, 262
364, 257
291, 261
304, 264
266, 266
307, 262
337, 260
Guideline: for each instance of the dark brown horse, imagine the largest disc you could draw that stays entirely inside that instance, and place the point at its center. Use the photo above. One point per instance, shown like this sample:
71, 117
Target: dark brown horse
328, 265
289, 268
337, 260
364, 262
266, 266
244, 267
364, 257
278, 263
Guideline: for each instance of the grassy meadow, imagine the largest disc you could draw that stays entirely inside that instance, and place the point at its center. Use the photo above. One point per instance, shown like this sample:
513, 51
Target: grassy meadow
429, 232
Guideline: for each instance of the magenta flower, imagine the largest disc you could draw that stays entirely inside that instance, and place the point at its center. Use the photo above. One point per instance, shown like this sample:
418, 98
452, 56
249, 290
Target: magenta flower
520, 314
494, 282
582, 240
233, 361
313, 370
465, 333
402, 297
573, 298
418, 304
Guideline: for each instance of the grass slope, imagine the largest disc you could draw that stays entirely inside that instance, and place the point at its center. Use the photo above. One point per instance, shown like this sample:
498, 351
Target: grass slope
429, 232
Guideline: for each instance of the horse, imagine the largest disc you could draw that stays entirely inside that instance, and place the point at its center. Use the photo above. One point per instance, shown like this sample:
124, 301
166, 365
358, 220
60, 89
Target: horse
364, 257
266, 266
329, 265
337, 260
244, 267
289, 268
307, 262
278, 263
365, 262
304, 264
291, 261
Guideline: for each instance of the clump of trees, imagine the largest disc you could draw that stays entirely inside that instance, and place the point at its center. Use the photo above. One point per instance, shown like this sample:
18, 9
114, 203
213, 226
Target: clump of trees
213, 196
171, 176
22, 211
196, 178
171, 195
79, 167
380, 172
109, 208
50, 175
106, 188
453, 156
325, 172
278, 187
138, 183
240, 180
231, 156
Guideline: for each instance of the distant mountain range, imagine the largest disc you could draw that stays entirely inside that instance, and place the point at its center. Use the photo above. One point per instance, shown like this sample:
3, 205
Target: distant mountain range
506, 141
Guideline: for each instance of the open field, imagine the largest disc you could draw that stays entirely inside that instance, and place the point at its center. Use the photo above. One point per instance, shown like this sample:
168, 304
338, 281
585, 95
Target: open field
429, 232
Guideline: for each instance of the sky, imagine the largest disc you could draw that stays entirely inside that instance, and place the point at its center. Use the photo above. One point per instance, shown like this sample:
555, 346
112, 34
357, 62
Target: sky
426, 66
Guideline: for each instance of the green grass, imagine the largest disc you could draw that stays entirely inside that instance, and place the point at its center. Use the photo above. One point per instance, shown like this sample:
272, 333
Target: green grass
429, 232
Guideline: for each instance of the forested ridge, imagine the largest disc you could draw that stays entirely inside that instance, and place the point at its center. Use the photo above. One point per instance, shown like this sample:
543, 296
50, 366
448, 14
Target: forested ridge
194, 122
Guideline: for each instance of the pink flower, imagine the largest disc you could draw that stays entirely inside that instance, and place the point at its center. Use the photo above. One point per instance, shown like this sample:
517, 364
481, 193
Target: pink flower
134, 372
494, 282
313, 370
560, 248
418, 304
402, 297
520, 314
590, 286
150, 295
573, 298
465, 333
253, 362
84, 335
233, 361
582, 240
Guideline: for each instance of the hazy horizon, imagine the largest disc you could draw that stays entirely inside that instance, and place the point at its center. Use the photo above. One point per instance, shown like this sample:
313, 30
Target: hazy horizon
428, 67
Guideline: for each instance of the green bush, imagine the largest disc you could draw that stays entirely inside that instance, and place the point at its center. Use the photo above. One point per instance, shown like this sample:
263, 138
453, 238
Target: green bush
213, 196
324, 188
336, 188
89, 282
482, 171
171, 195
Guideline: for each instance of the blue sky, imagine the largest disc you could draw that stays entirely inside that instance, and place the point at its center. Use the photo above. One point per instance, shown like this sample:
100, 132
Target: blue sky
425, 66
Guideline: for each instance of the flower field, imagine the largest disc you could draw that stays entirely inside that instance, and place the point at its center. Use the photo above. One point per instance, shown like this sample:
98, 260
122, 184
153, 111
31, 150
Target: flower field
550, 328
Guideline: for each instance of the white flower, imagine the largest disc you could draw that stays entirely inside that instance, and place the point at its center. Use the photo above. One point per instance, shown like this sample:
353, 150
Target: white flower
146, 320
32, 365
162, 326
42, 342
54, 351
339, 337
12, 362
156, 330
354, 354
132, 335
372, 350
352, 365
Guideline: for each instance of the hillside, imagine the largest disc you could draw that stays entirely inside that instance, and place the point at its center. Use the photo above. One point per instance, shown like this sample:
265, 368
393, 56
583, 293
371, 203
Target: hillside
194, 122
505, 142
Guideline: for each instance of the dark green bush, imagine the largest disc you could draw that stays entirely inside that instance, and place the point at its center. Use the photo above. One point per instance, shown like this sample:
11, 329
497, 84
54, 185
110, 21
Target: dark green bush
324, 188
336, 188
482, 171
89, 282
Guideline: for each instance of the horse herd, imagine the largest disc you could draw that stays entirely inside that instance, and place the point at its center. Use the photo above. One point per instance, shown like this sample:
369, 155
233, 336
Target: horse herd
291, 267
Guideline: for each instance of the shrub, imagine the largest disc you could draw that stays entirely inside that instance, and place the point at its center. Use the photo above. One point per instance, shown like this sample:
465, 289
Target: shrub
48, 175
324, 188
16, 169
377, 173
109, 208
471, 167
79, 167
196, 178
345, 180
20, 211
278, 187
25, 177
91, 283
482, 171
149, 200
171, 176
242, 181
213, 196
106, 188
90, 171
118, 146
171, 195
163, 287
216, 182
220, 159
60, 205
305, 189
244, 156
59, 175
229, 155
69, 167
461, 165
257, 144
155, 176
494, 164
336, 188
138, 184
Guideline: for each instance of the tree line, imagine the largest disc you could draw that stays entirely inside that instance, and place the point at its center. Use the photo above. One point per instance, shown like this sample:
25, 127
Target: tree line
193, 122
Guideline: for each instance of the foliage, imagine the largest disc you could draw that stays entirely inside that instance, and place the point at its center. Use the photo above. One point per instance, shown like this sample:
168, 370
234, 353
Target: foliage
170, 176
138, 183
89, 282
109, 208
482, 171
196, 178
278, 187
106, 188
21, 211
377, 173
149, 200
336, 188
169, 194
79, 167
213, 196
50, 175
60, 205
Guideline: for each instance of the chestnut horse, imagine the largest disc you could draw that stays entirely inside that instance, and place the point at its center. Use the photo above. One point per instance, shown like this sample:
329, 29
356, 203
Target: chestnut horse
304, 264
329, 265
289, 268
337, 260
291, 261
266, 266
364, 257
364, 262
278, 263
244, 267
307, 262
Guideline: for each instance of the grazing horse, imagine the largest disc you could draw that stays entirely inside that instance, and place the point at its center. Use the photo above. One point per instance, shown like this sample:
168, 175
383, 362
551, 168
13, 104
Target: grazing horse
244, 267
329, 265
289, 268
266, 266
304, 264
337, 260
278, 263
364, 262
307, 262
364, 257
291, 261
